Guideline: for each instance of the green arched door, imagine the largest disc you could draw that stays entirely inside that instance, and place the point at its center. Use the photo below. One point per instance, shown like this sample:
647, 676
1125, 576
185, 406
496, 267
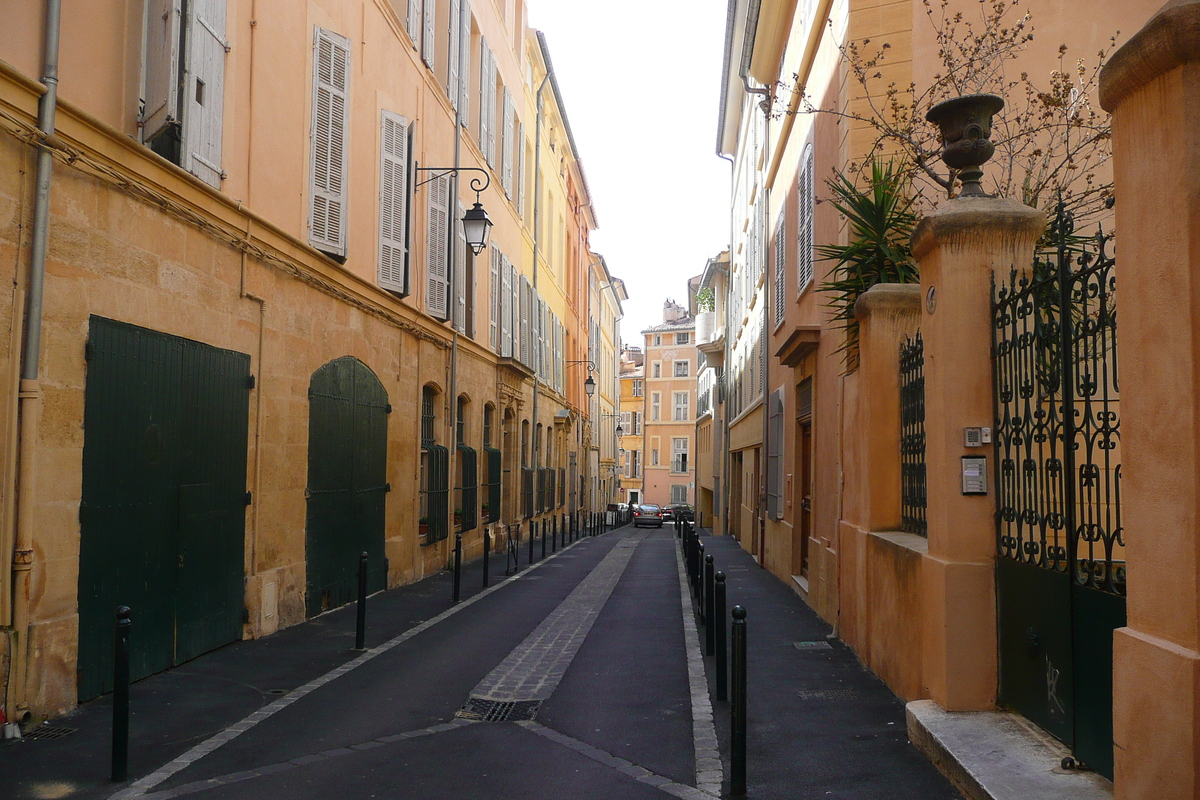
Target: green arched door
347, 482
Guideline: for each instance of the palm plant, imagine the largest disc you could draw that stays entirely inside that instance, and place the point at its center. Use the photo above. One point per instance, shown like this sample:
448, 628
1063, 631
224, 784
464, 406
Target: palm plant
881, 219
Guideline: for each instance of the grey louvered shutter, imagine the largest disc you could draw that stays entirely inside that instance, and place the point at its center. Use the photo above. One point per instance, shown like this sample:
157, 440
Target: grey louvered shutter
205, 93
506, 310
526, 301
164, 25
330, 131
490, 93
429, 33
494, 300
453, 53
460, 272
779, 275
506, 145
413, 23
804, 225
514, 310
464, 72
521, 170
393, 203
437, 250
775, 455
484, 123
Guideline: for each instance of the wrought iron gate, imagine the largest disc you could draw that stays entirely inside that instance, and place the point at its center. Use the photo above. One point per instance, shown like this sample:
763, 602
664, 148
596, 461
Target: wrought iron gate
912, 435
1060, 570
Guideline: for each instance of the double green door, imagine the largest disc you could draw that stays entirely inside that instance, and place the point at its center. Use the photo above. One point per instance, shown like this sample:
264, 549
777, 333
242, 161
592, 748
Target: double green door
347, 482
162, 513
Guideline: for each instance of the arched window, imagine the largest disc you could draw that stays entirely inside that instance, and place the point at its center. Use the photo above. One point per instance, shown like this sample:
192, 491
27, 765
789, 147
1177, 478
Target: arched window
466, 487
435, 473
493, 468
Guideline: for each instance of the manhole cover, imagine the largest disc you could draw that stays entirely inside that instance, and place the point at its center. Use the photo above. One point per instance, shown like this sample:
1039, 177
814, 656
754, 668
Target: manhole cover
812, 645
277, 692
48, 732
499, 710
826, 694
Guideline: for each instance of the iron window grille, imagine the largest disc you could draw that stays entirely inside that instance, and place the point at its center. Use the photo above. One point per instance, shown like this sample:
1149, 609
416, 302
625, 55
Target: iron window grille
912, 436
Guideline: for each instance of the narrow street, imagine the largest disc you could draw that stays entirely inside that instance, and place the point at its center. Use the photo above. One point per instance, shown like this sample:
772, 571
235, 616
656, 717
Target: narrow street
591, 647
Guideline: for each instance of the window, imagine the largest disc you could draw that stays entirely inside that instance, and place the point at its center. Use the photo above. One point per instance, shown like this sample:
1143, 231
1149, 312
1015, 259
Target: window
330, 143
182, 116
679, 493
679, 455
657, 339
435, 473
428, 414
682, 369
656, 369
775, 459
487, 426
681, 338
466, 490
394, 170
682, 403
654, 457
637, 387
655, 404
804, 224
779, 276
488, 83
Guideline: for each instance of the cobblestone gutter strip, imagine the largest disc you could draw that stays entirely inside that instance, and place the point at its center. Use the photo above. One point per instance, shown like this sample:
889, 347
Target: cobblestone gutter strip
638, 773
709, 772
144, 784
534, 668
271, 769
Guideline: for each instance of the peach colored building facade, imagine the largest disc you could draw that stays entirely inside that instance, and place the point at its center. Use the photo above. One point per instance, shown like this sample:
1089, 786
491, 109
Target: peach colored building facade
670, 408
287, 204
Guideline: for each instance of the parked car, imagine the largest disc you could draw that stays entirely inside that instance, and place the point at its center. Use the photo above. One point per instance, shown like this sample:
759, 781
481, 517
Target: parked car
647, 515
682, 510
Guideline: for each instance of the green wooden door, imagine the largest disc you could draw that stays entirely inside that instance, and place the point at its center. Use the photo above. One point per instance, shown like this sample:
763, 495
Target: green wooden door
347, 482
162, 520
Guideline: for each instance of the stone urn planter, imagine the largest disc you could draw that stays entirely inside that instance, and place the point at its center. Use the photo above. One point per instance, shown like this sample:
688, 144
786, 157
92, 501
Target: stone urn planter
706, 323
966, 126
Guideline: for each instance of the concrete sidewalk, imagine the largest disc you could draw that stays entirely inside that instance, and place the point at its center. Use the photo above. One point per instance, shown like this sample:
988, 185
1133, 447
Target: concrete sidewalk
820, 725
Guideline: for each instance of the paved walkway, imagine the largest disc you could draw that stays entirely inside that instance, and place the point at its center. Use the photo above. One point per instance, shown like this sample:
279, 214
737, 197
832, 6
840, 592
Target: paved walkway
580, 678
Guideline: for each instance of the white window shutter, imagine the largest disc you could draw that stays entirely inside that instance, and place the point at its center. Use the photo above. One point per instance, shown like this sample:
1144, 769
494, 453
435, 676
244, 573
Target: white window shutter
506, 310
204, 90
161, 81
460, 271
454, 53
464, 72
484, 123
436, 247
538, 312
506, 145
413, 22
429, 35
393, 203
331, 93
525, 302
490, 92
514, 310
494, 301
804, 225
780, 273
521, 170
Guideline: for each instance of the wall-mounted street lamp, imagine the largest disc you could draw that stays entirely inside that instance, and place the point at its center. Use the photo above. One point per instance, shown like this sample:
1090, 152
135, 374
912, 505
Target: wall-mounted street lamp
476, 225
619, 431
589, 386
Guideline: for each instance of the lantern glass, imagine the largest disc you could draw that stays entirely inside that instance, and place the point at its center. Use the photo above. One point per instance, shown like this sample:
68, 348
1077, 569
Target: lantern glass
476, 227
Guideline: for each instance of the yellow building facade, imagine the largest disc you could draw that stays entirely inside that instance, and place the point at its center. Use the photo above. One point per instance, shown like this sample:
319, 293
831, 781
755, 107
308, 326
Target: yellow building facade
633, 423
259, 303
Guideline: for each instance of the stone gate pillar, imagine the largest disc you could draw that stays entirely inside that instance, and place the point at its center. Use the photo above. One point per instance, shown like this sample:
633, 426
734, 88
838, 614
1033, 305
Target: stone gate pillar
959, 247
1152, 88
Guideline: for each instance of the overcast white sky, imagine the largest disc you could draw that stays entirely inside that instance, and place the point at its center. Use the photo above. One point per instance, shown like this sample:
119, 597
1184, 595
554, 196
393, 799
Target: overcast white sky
641, 83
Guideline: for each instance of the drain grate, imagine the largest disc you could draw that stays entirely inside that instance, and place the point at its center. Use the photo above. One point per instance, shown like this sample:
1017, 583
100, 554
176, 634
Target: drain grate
826, 694
812, 645
499, 710
48, 732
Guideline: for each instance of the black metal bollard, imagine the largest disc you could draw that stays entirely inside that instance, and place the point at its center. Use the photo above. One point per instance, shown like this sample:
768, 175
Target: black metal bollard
360, 623
719, 629
554, 534
120, 718
543, 538
487, 549
457, 565
698, 577
678, 527
737, 728
710, 621
531, 538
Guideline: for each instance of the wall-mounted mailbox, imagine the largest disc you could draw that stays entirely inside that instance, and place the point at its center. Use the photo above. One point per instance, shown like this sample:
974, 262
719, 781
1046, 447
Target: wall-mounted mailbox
974, 475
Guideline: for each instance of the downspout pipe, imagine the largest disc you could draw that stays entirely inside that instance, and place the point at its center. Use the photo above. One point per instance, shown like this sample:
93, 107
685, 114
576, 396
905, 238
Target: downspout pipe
537, 230
29, 402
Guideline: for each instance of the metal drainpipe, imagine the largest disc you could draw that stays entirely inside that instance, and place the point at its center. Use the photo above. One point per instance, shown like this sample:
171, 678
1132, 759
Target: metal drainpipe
452, 413
30, 393
537, 216
726, 458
